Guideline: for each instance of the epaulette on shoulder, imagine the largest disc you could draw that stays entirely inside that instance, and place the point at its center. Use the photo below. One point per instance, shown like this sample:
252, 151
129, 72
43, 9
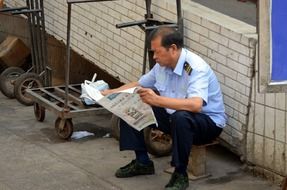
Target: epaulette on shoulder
187, 68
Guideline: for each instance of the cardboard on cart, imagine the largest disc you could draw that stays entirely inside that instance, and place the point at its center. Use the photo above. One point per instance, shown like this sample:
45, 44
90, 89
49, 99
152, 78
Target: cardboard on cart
13, 52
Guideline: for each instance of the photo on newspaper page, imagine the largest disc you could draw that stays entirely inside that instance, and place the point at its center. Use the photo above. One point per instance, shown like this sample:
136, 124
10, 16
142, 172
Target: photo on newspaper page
127, 105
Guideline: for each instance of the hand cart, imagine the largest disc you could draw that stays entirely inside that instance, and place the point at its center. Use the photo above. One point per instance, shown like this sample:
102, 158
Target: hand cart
39, 74
63, 100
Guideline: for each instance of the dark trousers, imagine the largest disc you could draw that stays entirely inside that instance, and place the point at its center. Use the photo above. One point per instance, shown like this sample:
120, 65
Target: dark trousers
186, 128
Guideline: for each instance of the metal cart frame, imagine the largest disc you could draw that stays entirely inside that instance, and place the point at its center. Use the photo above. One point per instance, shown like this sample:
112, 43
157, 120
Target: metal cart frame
64, 100
40, 73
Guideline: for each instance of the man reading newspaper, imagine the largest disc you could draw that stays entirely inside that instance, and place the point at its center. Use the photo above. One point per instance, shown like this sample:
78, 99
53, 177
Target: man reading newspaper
189, 106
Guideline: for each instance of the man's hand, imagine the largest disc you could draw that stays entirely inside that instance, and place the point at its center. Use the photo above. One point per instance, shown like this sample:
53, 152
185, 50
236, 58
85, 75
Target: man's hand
148, 96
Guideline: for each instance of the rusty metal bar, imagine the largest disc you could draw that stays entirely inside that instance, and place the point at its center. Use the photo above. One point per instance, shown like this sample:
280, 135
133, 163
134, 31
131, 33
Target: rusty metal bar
68, 61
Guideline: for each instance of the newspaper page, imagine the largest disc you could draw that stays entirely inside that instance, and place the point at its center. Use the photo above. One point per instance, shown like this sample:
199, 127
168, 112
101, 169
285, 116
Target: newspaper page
127, 105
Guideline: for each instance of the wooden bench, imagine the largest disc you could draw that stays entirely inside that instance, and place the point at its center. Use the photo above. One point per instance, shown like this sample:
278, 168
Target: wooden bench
196, 168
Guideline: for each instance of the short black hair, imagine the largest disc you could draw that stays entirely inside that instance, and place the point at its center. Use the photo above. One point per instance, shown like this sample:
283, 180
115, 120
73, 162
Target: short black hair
168, 36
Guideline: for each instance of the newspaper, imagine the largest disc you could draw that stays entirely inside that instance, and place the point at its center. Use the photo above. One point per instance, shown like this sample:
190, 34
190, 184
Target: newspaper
127, 105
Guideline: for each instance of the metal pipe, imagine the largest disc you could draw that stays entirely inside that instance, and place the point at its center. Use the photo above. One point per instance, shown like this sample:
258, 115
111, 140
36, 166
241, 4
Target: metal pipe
34, 38
67, 67
33, 56
39, 64
12, 9
145, 54
179, 16
148, 7
85, 1
48, 74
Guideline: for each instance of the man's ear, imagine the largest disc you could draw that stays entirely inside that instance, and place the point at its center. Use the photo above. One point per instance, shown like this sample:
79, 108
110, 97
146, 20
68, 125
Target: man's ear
173, 47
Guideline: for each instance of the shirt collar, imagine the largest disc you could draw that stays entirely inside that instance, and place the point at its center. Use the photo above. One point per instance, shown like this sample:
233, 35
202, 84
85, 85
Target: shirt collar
179, 65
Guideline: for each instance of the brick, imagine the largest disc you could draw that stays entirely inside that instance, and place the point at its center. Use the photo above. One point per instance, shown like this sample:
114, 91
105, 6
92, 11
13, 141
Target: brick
245, 60
225, 136
196, 47
258, 147
280, 125
228, 110
235, 124
137, 58
230, 34
269, 153
280, 101
260, 97
241, 98
190, 35
250, 147
192, 17
236, 113
238, 47
252, 53
237, 67
270, 99
259, 123
227, 71
231, 102
269, 122
280, 163
250, 118
199, 29
237, 137
227, 90
120, 40
126, 51
211, 62
119, 55
208, 43
229, 53
210, 25
218, 38
217, 57
244, 40
243, 79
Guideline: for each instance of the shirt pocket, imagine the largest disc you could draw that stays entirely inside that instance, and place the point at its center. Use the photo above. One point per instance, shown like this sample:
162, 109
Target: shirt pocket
160, 87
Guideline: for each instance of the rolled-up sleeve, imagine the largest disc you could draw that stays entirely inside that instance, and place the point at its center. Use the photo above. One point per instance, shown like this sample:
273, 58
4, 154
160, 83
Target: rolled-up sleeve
148, 80
198, 85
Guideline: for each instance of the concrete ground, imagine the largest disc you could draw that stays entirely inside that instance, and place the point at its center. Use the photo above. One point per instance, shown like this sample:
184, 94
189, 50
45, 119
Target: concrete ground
34, 158
244, 11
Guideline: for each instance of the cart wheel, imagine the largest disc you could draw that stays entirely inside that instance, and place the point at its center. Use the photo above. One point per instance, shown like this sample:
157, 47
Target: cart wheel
115, 122
26, 81
39, 112
7, 77
67, 129
157, 142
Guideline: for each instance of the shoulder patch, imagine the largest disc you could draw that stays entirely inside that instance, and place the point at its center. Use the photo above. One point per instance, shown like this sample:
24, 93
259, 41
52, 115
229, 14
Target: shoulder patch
187, 68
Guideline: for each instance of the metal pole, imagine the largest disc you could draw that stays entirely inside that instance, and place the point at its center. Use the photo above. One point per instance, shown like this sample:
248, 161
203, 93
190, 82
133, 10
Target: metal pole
148, 11
47, 75
31, 33
36, 48
39, 64
179, 16
67, 67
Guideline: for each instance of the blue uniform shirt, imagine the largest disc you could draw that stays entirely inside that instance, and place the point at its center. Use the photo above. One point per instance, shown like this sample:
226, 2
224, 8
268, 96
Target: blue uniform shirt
179, 83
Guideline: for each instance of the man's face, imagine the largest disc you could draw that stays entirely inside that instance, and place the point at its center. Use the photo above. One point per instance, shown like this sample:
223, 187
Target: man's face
162, 55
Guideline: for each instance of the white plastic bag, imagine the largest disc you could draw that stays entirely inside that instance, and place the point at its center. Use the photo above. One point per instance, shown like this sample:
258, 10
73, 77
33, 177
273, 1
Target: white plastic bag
99, 85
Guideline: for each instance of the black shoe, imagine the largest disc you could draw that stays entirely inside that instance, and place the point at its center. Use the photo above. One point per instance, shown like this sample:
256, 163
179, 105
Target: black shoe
135, 168
177, 182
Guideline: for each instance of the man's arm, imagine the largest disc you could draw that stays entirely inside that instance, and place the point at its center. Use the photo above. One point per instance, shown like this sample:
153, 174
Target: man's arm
190, 104
124, 87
